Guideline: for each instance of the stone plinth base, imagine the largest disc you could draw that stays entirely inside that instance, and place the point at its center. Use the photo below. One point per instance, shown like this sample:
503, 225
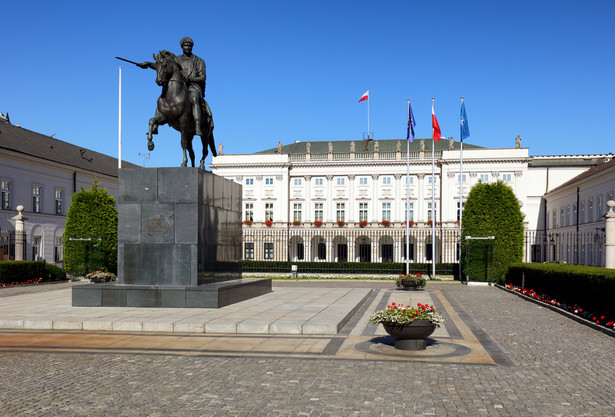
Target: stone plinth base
214, 295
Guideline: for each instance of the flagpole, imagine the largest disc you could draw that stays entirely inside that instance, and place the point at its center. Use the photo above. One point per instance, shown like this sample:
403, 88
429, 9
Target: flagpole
119, 128
368, 113
408, 196
433, 200
460, 179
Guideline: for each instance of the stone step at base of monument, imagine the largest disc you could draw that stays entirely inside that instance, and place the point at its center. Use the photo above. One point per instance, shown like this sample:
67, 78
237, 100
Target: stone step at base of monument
213, 295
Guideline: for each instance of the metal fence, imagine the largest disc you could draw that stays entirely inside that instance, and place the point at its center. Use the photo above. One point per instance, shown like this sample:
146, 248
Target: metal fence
349, 244
579, 248
8, 242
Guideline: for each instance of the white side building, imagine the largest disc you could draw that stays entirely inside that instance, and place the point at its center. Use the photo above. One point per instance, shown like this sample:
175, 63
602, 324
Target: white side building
42, 174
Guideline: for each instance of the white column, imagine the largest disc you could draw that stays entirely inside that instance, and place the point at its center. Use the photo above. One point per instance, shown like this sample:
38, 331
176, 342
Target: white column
398, 205
284, 201
19, 234
351, 203
375, 200
610, 235
329, 215
420, 199
308, 199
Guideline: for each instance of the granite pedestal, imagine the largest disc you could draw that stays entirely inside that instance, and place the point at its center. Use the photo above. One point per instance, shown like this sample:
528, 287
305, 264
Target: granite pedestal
179, 243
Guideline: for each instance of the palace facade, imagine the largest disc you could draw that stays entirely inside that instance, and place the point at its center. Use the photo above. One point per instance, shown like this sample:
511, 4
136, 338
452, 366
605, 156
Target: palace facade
349, 200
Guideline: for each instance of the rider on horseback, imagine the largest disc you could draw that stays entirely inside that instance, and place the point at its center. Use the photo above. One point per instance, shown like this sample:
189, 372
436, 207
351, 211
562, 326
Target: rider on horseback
193, 70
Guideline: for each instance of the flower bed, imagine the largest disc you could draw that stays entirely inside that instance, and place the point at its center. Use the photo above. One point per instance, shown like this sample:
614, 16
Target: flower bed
28, 282
405, 314
100, 276
417, 278
604, 319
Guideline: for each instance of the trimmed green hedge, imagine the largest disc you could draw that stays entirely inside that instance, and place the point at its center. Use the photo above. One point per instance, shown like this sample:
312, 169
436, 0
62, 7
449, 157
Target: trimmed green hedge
21, 271
492, 209
589, 286
348, 267
92, 215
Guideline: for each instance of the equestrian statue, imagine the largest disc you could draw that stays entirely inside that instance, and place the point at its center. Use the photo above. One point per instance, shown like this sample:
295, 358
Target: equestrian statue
182, 102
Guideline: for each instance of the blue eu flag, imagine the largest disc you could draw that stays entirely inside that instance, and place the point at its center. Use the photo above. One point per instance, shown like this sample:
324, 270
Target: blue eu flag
411, 123
465, 129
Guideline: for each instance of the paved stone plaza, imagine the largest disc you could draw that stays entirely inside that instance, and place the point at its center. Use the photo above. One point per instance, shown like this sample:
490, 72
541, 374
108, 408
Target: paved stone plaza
497, 355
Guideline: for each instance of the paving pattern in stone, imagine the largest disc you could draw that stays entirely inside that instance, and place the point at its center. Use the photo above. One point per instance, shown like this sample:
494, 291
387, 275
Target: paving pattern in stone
498, 355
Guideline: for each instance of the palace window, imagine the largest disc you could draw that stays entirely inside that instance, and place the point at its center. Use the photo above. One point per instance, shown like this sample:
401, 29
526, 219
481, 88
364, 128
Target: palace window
297, 212
249, 212
362, 212
269, 181
341, 212
484, 177
429, 213
36, 247
249, 250
386, 180
268, 211
409, 212
318, 212
386, 211
318, 181
590, 210
297, 181
362, 180
36, 198
341, 181
6, 187
58, 253
249, 181
268, 249
59, 201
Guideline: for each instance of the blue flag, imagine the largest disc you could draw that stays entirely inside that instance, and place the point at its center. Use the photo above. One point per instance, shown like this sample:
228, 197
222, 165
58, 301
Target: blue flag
465, 129
411, 123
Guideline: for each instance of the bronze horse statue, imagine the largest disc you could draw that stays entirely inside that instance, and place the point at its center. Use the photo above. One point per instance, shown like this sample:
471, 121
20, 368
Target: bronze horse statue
173, 107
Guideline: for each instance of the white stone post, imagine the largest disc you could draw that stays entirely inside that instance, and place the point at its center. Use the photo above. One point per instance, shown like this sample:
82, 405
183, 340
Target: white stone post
19, 233
610, 235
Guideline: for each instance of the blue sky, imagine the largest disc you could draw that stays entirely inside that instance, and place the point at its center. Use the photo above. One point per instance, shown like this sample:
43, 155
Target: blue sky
291, 70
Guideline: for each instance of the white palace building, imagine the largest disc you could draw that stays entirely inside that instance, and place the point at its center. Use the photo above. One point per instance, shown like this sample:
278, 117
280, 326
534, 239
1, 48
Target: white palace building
346, 200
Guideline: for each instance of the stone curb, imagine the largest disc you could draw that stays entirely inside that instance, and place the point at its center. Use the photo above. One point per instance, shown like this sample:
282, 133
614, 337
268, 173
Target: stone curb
561, 311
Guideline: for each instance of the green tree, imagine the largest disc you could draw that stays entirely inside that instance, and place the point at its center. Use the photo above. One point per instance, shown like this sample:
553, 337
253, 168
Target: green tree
492, 209
92, 215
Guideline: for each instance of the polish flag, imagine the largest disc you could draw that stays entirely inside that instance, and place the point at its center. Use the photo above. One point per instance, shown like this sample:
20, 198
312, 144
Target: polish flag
436, 127
364, 96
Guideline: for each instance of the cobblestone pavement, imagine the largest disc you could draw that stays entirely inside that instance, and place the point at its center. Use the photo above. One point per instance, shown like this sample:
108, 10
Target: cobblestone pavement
542, 364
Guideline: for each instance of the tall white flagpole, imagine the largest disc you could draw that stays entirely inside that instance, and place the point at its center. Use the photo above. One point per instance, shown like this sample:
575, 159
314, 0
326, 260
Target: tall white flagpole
433, 200
368, 99
460, 180
408, 196
119, 128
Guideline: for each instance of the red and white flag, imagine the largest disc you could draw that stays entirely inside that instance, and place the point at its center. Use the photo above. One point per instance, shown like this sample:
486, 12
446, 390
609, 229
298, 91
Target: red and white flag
436, 127
364, 96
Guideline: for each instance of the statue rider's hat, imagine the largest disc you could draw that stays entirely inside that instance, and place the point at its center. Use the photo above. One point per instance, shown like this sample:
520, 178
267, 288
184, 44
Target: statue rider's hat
186, 40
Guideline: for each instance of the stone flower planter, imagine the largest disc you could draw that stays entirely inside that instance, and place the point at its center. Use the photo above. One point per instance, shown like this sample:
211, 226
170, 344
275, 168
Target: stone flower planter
410, 285
410, 336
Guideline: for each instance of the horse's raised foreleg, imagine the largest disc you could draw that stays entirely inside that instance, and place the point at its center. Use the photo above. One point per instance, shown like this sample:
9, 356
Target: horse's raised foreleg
154, 122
